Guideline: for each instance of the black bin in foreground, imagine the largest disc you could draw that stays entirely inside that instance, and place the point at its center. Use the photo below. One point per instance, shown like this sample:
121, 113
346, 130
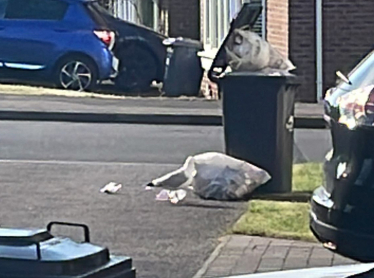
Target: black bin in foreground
37, 253
183, 71
258, 115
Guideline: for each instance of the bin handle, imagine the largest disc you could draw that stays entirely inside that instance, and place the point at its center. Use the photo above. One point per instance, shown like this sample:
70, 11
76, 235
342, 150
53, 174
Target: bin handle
38, 252
85, 228
290, 123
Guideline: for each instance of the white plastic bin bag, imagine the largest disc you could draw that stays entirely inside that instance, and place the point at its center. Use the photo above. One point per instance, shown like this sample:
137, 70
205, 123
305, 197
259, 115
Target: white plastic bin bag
214, 176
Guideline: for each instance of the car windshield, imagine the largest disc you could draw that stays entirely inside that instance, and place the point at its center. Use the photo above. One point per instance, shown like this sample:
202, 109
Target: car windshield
361, 76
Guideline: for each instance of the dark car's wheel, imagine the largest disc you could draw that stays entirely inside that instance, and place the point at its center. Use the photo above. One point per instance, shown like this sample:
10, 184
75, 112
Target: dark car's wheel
137, 69
76, 73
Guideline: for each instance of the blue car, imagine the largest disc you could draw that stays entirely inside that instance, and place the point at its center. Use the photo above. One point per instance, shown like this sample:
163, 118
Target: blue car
66, 40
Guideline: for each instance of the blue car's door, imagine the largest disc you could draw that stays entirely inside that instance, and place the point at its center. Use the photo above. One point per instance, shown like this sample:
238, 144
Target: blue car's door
29, 32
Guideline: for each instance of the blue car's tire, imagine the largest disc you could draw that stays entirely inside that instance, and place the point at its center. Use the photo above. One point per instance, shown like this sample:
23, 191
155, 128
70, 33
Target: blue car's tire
76, 73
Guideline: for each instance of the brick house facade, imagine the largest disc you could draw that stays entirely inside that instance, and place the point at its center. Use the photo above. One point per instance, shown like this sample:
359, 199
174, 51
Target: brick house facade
348, 32
289, 25
348, 35
277, 22
184, 18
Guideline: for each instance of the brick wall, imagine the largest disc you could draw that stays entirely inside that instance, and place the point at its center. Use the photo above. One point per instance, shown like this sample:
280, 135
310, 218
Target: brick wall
277, 29
348, 29
290, 27
184, 18
302, 46
348, 33
208, 89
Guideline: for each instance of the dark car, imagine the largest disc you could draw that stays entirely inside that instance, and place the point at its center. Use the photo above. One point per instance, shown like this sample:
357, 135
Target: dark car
63, 39
140, 51
342, 213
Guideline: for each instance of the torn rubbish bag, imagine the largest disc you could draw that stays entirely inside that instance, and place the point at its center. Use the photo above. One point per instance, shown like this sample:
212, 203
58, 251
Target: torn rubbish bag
244, 50
247, 51
215, 176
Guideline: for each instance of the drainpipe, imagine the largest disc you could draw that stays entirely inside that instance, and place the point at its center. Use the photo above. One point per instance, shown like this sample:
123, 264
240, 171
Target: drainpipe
319, 49
264, 12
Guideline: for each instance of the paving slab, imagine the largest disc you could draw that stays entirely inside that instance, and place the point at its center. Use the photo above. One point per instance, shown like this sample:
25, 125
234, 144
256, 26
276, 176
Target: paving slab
261, 254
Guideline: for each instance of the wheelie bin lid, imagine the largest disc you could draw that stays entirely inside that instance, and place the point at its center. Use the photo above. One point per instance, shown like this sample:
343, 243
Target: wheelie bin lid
291, 79
183, 42
247, 16
37, 253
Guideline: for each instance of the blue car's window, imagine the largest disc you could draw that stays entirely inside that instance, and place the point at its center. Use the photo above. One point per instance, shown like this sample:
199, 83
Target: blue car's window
36, 9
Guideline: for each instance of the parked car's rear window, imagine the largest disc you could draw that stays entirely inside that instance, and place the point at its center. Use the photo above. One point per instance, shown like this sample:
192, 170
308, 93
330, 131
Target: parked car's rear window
96, 14
3, 4
100, 9
33, 9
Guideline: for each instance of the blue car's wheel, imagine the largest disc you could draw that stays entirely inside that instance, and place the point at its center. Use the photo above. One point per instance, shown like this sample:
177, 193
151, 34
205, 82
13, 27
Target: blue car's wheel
77, 74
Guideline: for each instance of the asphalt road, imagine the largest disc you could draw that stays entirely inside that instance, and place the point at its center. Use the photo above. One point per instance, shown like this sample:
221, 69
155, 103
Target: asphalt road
53, 171
165, 241
129, 143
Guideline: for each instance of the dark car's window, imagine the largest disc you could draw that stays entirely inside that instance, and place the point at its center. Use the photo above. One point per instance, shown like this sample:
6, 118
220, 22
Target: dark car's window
101, 9
3, 4
361, 76
98, 13
35, 9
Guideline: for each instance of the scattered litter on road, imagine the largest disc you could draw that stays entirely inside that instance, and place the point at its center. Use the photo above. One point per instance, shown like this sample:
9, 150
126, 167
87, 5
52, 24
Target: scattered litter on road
111, 188
213, 176
174, 196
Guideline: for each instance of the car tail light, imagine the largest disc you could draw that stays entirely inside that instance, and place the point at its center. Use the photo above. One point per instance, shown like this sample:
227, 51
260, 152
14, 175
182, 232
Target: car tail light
369, 106
107, 37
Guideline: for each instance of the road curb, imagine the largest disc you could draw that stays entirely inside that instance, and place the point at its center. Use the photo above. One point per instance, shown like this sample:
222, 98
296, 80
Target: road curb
212, 257
156, 119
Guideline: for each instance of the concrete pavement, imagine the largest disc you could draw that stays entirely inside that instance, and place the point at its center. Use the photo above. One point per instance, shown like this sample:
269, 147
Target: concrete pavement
153, 110
237, 255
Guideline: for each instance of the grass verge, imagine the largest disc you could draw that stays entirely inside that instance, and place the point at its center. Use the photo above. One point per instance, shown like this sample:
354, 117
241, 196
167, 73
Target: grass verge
275, 219
288, 220
306, 177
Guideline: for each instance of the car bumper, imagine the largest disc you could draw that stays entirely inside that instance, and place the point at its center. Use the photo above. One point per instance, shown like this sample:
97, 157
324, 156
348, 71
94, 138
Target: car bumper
355, 245
106, 62
115, 65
